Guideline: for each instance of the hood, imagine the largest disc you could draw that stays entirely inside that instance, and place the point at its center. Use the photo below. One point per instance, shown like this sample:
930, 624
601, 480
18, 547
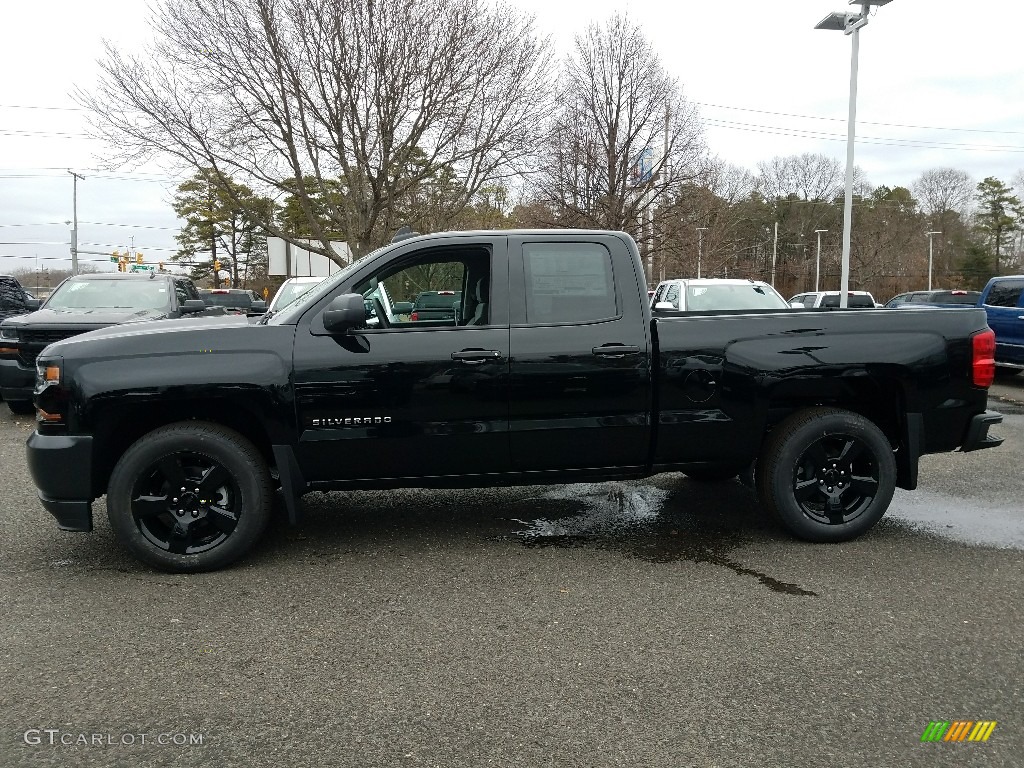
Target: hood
192, 326
90, 317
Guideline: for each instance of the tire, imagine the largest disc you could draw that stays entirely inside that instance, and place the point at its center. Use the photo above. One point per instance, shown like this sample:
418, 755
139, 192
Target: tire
843, 498
225, 506
712, 473
21, 407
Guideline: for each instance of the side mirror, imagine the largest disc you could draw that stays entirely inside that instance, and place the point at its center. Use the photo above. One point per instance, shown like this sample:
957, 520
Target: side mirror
402, 307
193, 306
665, 306
258, 306
344, 313
33, 304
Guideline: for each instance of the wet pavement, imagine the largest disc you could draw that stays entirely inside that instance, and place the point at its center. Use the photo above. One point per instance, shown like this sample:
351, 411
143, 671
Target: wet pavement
659, 623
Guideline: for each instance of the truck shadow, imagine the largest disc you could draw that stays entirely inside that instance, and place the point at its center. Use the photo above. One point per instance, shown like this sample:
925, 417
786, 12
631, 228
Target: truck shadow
663, 519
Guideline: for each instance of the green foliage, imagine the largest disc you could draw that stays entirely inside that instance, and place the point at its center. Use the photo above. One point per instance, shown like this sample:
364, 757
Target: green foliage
976, 268
999, 214
224, 222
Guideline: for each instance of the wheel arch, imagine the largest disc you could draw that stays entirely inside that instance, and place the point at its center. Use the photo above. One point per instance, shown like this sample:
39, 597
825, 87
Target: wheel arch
118, 425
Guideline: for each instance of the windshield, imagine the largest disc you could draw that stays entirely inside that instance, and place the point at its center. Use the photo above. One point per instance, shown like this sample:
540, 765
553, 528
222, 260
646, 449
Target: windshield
293, 311
714, 297
111, 294
289, 292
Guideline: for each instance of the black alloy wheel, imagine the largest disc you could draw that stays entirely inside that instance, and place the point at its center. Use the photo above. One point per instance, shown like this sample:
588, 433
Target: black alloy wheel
186, 503
826, 474
192, 496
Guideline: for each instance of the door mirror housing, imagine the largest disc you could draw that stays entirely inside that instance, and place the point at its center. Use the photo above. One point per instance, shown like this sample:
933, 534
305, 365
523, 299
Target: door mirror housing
344, 313
193, 306
33, 304
258, 305
402, 307
664, 306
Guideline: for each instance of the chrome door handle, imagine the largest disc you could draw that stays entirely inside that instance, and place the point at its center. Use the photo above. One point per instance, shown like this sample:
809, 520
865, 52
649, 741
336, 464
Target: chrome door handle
476, 356
615, 350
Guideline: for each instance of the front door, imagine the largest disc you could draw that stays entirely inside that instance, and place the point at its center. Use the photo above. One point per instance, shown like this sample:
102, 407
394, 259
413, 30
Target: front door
1004, 306
404, 398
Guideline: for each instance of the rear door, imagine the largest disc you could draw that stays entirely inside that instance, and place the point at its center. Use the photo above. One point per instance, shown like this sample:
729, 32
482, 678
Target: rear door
580, 354
1004, 305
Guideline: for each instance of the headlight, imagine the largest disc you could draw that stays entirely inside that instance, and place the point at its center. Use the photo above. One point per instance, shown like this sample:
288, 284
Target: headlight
8, 332
8, 341
50, 397
49, 373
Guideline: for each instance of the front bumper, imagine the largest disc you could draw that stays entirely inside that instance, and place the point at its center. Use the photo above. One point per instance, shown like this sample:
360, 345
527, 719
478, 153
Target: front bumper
977, 432
16, 381
61, 468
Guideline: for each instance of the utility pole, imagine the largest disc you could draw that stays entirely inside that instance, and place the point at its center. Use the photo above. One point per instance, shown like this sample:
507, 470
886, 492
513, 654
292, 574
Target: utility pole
775, 252
74, 212
700, 247
930, 257
817, 261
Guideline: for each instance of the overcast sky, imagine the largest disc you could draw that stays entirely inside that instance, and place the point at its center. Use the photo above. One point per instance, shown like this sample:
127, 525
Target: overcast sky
941, 83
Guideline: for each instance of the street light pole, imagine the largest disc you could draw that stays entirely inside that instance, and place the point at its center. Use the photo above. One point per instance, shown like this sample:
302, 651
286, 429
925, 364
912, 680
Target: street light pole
74, 231
817, 260
700, 247
930, 257
850, 24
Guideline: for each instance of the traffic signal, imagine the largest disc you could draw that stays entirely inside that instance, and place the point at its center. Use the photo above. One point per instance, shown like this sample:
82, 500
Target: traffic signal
216, 266
138, 258
160, 265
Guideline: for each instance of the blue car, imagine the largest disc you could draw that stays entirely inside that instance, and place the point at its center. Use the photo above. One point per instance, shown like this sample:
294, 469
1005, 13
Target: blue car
1003, 302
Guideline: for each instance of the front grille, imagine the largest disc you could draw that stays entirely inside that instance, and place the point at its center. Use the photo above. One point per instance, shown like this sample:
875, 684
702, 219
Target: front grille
33, 341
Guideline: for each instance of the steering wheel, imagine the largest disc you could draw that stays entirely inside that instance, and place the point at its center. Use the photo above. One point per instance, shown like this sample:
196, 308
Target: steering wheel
382, 316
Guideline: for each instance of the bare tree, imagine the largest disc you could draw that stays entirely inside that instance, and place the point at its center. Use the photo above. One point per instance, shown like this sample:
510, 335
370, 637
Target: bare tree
805, 177
623, 137
347, 105
941, 190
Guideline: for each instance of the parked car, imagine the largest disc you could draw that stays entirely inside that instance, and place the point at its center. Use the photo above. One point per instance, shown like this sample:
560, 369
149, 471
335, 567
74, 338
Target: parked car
80, 304
830, 300
290, 290
1003, 302
234, 300
708, 294
939, 298
435, 305
564, 375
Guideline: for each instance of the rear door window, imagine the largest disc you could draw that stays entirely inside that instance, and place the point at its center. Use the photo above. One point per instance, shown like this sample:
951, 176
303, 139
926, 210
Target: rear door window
1005, 294
568, 283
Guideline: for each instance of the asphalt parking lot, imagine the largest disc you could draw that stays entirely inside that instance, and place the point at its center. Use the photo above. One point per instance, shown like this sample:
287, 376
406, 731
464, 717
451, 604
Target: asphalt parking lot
655, 623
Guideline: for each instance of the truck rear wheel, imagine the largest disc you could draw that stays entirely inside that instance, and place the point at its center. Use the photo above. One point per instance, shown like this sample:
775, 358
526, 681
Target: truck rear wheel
826, 474
188, 497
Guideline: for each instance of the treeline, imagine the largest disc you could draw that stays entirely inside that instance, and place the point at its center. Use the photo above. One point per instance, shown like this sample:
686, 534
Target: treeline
344, 120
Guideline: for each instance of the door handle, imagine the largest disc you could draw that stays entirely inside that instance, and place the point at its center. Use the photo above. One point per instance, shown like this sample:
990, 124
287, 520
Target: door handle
476, 356
615, 350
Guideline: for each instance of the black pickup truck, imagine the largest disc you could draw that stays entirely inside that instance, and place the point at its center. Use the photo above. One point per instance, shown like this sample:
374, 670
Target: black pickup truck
80, 304
555, 370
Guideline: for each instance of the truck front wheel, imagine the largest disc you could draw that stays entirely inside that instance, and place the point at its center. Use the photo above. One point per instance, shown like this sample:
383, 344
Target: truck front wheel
826, 474
188, 497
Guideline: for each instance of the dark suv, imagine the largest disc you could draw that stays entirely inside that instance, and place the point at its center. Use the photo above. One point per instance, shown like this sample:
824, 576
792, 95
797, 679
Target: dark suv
435, 305
14, 300
84, 303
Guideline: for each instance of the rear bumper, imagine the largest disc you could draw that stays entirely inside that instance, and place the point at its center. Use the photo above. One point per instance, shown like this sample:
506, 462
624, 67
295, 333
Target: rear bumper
977, 432
61, 468
16, 381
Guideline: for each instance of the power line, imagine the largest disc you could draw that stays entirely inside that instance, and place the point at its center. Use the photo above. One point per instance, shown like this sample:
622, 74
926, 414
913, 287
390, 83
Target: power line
29, 106
772, 130
859, 122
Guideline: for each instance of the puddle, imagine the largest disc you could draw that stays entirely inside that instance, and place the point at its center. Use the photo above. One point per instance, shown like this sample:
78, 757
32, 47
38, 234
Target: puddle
635, 521
967, 520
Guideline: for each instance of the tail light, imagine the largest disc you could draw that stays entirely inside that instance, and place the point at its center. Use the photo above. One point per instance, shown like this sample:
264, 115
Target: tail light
983, 358
414, 316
